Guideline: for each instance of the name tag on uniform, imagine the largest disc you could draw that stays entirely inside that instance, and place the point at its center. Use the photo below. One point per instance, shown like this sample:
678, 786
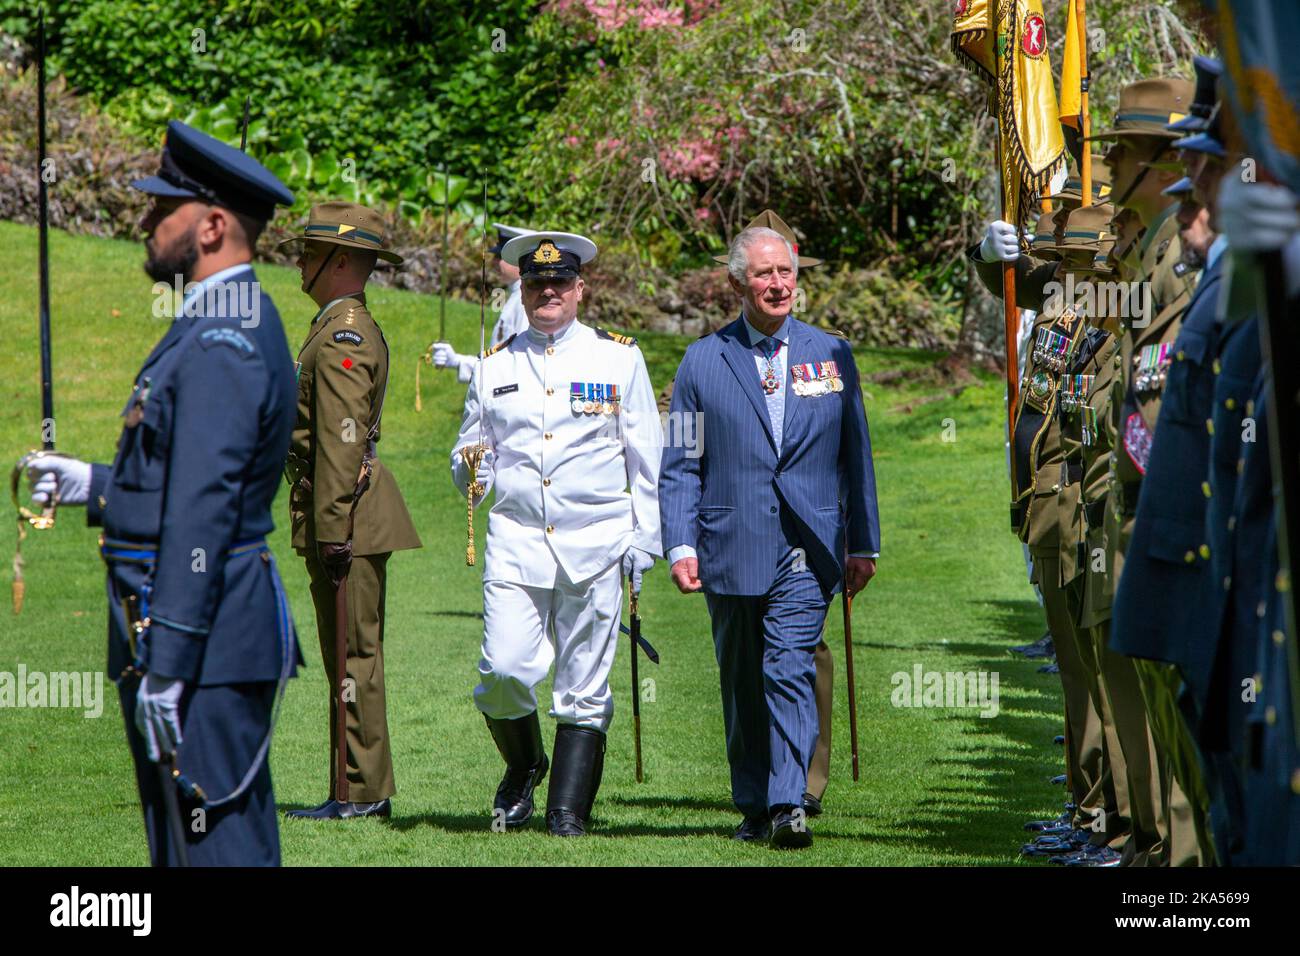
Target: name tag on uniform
816, 378
505, 389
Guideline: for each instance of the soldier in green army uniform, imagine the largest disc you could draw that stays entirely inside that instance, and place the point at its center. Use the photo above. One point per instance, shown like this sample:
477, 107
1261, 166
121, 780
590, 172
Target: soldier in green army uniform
347, 513
1038, 458
1085, 250
1140, 173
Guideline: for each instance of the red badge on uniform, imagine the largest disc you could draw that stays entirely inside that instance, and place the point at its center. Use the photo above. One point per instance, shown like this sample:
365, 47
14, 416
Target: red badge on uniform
347, 363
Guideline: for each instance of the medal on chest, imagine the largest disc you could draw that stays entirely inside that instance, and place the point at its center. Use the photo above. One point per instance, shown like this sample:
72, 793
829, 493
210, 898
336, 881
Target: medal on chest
594, 398
1052, 350
135, 413
816, 378
1150, 367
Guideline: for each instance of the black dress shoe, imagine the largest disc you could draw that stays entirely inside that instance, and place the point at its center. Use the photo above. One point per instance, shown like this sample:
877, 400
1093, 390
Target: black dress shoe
575, 776
753, 829
1040, 648
520, 742
789, 830
812, 806
1102, 856
334, 810
565, 823
1038, 826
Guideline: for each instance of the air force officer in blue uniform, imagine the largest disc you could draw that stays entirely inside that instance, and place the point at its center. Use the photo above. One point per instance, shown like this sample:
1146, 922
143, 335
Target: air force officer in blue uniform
199, 634
760, 513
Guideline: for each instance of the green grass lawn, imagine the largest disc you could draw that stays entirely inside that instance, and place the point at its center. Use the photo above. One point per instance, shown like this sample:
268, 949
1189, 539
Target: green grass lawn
938, 786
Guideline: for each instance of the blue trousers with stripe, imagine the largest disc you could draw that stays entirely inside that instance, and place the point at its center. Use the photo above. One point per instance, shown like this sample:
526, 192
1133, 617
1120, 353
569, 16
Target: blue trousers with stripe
765, 646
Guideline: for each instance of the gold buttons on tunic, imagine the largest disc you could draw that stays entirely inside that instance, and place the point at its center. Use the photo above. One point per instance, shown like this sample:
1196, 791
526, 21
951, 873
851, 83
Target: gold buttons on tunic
1217, 367
1209, 425
546, 482
547, 436
550, 391
1189, 557
551, 350
1229, 403
1279, 638
1205, 488
1205, 551
550, 529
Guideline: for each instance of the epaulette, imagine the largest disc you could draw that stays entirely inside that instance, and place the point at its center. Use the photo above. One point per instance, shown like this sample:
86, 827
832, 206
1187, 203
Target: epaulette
615, 337
837, 333
498, 347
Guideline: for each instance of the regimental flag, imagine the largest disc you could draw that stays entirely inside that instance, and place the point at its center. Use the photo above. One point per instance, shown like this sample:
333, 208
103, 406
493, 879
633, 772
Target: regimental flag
972, 37
1259, 39
1004, 42
1072, 86
1029, 118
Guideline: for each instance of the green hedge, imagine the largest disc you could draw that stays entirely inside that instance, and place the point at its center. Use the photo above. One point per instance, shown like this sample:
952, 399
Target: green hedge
398, 87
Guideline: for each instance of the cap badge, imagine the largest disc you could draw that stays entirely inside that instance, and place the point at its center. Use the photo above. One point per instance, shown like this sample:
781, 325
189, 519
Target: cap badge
546, 253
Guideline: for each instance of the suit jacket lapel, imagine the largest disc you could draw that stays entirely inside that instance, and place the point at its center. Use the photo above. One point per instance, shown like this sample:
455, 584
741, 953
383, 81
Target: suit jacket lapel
738, 355
794, 405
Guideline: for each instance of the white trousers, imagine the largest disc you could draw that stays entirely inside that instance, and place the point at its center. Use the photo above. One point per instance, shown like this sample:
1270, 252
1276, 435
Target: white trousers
526, 629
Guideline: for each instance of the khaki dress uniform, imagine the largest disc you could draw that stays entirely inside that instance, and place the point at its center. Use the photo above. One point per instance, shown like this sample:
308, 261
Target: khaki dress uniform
1145, 108
343, 369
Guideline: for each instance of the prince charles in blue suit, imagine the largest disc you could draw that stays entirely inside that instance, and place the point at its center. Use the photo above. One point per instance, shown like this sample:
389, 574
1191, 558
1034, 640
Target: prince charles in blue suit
770, 513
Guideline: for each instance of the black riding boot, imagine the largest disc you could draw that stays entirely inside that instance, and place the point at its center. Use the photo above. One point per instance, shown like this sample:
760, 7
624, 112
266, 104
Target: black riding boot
579, 761
520, 743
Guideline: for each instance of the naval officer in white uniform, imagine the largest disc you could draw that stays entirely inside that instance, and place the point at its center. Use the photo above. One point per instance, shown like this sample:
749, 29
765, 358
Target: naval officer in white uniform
574, 439
512, 319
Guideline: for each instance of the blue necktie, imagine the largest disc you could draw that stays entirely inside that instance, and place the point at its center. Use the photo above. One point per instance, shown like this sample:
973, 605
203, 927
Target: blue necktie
775, 399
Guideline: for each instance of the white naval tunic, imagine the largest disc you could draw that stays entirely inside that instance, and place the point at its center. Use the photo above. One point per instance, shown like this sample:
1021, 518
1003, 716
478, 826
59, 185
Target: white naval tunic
574, 491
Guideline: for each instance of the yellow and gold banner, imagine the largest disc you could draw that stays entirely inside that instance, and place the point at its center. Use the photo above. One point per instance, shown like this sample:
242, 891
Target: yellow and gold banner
972, 37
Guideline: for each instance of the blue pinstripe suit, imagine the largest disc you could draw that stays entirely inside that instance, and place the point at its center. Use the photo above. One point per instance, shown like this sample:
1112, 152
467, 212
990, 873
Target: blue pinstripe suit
770, 527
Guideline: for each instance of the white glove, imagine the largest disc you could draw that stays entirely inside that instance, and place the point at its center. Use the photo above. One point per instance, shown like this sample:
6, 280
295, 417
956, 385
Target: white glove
68, 476
158, 714
1256, 217
483, 476
1001, 244
636, 563
444, 355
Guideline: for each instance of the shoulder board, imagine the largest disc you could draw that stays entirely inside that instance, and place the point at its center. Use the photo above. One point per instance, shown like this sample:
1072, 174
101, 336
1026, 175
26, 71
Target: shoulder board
836, 332
615, 337
231, 338
1162, 248
498, 347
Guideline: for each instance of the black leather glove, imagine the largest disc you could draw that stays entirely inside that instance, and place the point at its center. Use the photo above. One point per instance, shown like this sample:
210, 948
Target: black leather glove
337, 559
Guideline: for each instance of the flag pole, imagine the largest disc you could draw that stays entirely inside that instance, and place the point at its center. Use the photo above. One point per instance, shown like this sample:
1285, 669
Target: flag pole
1085, 123
1008, 186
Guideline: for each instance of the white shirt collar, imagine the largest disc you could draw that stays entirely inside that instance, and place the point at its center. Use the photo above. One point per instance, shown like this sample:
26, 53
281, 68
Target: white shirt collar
200, 287
1217, 248
543, 338
782, 334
